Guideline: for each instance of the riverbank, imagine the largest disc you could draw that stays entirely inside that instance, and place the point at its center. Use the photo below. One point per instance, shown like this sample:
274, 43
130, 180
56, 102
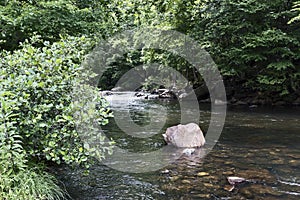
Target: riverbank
235, 96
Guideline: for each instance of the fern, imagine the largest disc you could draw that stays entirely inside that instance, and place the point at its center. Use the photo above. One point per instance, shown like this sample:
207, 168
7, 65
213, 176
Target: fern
296, 8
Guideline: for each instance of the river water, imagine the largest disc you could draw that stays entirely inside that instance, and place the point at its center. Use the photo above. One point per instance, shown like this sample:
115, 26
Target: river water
261, 145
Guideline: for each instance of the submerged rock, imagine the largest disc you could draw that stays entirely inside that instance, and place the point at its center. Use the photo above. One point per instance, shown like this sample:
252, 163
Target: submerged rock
188, 151
257, 175
253, 191
168, 94
106, 93
152, 96
186, 182
233, 180
139, 94
229, 188
165, 171
189, 135
203, 174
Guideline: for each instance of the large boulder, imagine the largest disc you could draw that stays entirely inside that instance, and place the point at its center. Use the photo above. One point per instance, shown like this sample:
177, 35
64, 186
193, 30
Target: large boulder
189, 135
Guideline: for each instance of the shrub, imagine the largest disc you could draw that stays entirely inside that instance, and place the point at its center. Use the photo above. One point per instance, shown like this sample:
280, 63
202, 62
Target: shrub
20, 20
36, 119
39, 82
17, 180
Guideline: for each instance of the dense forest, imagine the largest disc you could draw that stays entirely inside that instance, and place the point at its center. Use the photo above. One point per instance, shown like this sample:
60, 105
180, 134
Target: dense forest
255, 44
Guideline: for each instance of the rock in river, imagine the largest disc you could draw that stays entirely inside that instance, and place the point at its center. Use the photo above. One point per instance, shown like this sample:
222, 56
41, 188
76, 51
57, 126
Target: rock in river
189, 135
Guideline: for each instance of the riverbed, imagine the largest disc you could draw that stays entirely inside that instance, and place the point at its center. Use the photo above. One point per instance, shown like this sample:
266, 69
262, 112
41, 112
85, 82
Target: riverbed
260, 144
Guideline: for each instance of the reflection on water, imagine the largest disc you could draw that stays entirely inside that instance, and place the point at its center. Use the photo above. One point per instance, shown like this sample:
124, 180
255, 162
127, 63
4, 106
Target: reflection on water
259, 144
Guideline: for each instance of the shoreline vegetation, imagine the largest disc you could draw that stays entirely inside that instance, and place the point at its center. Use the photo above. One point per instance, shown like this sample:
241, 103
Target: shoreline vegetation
255, 44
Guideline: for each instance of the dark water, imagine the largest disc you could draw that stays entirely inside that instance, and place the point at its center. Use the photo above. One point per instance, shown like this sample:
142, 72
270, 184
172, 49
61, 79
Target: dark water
259, 144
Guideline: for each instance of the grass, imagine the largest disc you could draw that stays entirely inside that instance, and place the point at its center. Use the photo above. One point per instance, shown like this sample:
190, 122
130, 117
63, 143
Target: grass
30, 184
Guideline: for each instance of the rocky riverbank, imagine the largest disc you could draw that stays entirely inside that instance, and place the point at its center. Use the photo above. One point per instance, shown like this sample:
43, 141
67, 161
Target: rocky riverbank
234, 96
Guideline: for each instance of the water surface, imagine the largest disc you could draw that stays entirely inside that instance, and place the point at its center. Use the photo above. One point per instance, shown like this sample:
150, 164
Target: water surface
259, 144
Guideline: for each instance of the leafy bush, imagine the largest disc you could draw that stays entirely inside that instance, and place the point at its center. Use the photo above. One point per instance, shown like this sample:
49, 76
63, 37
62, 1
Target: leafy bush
17, 180
20, 20
39, 81
36, 119
252, 43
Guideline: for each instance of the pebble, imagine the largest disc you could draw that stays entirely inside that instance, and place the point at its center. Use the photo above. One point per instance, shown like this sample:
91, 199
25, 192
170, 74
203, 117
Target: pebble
186, 181
202, 174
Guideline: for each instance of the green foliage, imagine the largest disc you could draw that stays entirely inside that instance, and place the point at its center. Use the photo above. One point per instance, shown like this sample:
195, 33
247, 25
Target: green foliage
296, 8
136, 13
37, 121
39, 81
29, 184
252, 42
20, 20
17, 180
163, 15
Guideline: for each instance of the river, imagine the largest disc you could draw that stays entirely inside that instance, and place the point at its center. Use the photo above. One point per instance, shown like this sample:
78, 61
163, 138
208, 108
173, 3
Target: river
261, 144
